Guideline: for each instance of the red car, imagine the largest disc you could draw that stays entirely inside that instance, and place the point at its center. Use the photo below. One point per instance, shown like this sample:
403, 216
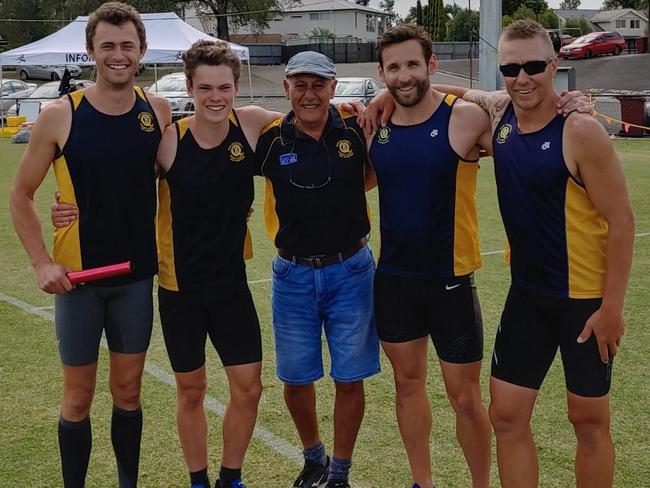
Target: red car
594, 44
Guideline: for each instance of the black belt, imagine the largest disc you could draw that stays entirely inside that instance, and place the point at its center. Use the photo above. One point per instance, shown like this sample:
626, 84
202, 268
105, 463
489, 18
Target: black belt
320, 261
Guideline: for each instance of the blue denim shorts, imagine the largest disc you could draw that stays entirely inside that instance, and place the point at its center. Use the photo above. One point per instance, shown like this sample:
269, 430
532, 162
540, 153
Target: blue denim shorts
337, 299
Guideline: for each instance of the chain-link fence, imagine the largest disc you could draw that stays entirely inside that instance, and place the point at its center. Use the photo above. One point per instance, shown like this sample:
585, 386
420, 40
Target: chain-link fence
623, 113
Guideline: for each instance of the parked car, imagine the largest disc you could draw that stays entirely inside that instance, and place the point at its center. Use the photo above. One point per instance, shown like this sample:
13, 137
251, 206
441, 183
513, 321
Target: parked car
173, 88
47, 72
350, 89
14, 90
555, 38
48, 92
594, 44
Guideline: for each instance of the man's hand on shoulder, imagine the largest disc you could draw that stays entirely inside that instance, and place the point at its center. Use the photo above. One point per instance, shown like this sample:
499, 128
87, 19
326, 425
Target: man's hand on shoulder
574, 101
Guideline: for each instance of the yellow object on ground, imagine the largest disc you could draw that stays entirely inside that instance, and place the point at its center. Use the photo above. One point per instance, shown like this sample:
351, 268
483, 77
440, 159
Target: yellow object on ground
16, 120
8, 131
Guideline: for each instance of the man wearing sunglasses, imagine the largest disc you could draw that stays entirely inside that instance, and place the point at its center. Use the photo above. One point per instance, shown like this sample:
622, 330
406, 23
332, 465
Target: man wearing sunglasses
570, 228
314, 161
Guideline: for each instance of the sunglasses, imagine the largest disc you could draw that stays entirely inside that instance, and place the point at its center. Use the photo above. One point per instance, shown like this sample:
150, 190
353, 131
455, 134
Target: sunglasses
531, 68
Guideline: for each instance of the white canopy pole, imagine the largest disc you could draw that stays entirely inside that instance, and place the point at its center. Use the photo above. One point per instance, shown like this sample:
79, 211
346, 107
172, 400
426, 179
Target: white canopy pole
2, 123
250, 79
155, 76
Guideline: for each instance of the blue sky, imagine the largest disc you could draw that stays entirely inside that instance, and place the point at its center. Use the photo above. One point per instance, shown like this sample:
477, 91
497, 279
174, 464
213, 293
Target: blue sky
402, 6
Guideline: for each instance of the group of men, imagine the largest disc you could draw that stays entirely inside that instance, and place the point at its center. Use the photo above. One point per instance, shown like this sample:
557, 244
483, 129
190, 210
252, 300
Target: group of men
560, 187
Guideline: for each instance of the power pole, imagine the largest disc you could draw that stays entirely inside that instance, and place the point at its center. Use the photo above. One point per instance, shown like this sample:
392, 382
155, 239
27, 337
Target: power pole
490, 30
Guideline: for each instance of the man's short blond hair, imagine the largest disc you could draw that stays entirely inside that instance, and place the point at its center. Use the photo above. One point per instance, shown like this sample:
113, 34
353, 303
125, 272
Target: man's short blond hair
526, 29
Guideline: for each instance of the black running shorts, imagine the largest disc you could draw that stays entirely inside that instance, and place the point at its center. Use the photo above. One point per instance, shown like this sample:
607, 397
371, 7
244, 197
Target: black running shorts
227, 315
124, 313
531, 330
447, 310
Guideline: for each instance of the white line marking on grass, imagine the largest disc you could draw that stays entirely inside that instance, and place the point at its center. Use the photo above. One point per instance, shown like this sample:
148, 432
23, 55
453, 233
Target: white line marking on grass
276, 443
644, 234
490, 253
265, 280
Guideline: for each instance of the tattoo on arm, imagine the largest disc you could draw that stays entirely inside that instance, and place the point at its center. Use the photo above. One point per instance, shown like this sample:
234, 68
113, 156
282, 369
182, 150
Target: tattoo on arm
494, 103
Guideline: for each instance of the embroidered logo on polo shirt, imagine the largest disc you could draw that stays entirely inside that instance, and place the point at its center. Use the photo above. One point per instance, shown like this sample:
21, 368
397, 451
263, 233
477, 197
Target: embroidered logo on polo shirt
345, 148
383, 135
288, 158
236, 151
504, 133
146, 122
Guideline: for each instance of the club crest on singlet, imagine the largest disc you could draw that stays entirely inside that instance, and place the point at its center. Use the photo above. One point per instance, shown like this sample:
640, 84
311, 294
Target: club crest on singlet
236, 151
504, 133
146, 121
383, 136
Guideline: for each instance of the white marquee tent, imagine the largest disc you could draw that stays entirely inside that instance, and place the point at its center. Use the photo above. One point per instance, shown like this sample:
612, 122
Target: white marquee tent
168, 36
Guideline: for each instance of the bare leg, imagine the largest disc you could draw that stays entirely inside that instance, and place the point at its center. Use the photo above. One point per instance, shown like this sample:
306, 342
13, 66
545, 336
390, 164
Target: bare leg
190, 418
348, 413
409, 360
510, 412
472, 421
301, 402
239, 420
595, 453
78, 391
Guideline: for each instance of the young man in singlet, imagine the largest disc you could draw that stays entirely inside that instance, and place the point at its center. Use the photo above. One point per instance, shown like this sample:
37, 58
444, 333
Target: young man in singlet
102, 142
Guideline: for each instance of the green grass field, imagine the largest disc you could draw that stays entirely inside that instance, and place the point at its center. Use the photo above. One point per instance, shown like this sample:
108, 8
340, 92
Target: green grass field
30, 375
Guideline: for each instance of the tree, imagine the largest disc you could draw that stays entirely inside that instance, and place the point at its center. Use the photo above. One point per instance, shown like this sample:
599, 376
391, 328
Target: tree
509, 7
462, 24
261, 11
506, 21
549, 20
524, 12
418, 13
577, 26
388, 6
570, 4
635, 4
320, 32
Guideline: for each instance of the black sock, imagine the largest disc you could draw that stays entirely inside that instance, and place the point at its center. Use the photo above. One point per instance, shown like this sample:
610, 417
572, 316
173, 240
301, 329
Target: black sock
75, 441
200, 478
228, 475
126, 432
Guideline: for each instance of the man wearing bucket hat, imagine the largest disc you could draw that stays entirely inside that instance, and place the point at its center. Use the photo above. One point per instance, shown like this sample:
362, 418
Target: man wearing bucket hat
315, 165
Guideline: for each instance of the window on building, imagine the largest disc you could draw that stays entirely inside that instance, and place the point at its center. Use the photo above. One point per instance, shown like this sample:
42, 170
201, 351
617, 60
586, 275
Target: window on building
635, 24
296, 16
621, 24
319, 16
370, 23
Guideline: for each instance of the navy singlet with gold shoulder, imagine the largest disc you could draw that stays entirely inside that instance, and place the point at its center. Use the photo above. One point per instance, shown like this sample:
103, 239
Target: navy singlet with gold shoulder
427, 200
556, 237
107, 169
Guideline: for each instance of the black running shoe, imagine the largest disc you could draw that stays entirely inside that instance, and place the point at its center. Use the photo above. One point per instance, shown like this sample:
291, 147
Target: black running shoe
337, 484
312, 475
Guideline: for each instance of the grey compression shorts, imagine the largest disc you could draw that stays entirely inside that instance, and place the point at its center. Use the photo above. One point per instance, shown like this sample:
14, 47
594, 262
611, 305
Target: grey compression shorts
124, 312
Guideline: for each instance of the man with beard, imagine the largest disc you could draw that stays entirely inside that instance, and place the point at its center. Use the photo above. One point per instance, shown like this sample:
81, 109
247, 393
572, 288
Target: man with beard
426, 161
102, 142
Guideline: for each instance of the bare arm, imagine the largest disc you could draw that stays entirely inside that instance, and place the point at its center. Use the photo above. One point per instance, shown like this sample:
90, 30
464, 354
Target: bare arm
253, 119
33, 167
162, 109
167, 148
588, 146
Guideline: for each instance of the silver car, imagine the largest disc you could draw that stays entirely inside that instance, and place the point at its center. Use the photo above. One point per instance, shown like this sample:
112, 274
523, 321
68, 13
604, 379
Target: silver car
47, 72
173, 87
14, 90
48, 92
352, 88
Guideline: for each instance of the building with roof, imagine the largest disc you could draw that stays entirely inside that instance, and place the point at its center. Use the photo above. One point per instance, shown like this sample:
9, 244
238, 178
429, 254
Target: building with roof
340, 18
627, 22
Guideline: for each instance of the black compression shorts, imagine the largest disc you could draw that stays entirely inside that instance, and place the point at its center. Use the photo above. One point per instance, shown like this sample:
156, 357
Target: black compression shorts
531, 330
448, 310
227, 315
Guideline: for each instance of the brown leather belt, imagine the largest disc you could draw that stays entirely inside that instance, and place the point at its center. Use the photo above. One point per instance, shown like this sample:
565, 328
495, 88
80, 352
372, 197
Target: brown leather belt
320, 261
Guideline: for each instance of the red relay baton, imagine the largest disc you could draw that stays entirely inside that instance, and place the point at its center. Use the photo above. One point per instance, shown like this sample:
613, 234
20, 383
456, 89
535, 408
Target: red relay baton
100, 273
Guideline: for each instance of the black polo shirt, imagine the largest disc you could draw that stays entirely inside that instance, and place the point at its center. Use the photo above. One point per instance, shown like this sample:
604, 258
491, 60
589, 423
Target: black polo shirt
315, 203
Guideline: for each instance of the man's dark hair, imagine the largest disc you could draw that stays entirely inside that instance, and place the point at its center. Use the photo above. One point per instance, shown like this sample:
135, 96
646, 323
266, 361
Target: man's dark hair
116, 13
212, 53
402, 33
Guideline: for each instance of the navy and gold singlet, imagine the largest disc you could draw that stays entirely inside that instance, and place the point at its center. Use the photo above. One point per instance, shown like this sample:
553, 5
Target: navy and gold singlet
556, 237
204, 200
107, 170
427, 200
